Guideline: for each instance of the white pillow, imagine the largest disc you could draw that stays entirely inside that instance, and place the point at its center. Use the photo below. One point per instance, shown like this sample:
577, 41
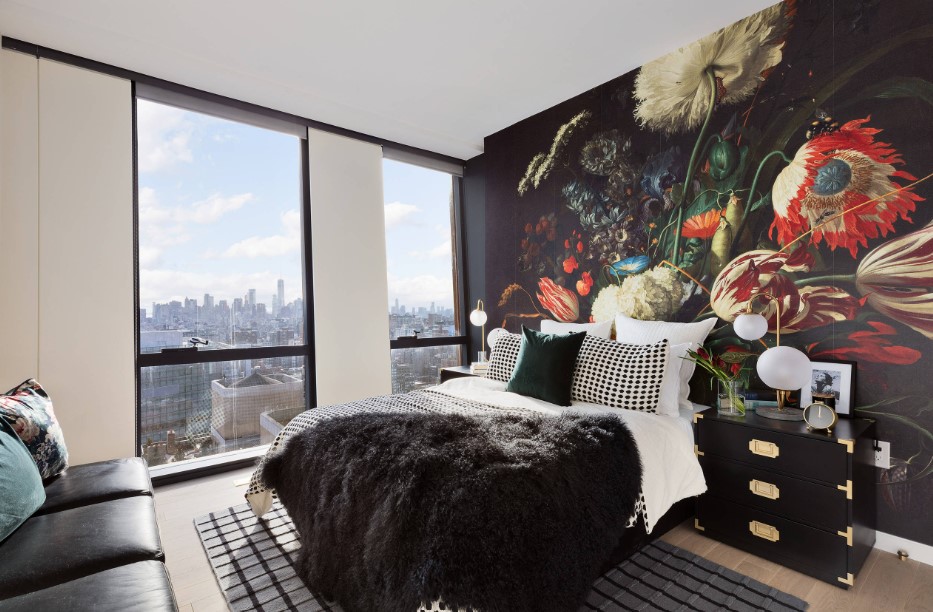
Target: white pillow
633, 331
669, 402
600, 330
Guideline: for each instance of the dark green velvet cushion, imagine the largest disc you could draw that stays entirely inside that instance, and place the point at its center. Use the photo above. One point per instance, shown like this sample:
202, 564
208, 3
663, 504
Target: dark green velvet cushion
544, 368
21, 491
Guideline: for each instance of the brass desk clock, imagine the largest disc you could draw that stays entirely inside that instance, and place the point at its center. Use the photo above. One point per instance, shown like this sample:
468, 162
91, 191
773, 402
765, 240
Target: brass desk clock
819, 415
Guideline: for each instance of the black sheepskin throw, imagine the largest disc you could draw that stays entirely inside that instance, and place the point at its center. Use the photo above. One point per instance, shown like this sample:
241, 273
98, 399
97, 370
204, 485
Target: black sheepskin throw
501, 513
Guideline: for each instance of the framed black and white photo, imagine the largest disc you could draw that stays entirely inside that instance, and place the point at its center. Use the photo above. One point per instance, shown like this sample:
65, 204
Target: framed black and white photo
835, 379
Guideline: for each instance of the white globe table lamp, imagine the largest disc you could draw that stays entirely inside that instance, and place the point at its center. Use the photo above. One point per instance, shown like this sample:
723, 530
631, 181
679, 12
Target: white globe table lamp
478, 318
782, 368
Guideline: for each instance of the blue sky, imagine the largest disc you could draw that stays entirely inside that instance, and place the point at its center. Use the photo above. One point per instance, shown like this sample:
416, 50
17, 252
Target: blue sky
219, 213
418, 249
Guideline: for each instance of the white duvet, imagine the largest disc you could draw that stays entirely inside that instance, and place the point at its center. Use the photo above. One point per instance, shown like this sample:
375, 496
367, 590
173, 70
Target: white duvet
670, 470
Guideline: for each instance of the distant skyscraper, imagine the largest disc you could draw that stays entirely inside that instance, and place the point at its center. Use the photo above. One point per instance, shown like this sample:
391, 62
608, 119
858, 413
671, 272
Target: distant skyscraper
281, 297
432, 308
251, 297
208, 301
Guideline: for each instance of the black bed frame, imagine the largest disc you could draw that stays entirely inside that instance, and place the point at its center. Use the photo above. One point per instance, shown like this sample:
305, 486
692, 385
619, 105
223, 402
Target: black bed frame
635, 537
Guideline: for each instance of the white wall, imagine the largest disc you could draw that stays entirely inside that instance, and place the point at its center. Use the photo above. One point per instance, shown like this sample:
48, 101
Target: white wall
351, 327
19, 218
67, 197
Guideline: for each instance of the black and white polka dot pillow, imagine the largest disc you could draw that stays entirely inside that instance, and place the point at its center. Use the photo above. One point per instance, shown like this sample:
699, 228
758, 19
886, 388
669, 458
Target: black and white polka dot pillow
503, 357
620, 375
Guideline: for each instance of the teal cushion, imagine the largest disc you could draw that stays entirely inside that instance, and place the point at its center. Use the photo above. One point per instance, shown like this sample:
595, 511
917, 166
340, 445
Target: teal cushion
21, 491
544, 368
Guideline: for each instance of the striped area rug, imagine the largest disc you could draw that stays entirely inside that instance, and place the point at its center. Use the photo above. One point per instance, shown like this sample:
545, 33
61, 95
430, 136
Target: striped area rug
253, 561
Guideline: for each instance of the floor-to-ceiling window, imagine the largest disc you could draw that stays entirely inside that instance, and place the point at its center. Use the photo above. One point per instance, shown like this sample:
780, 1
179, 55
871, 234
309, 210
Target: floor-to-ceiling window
223, 329
422, 244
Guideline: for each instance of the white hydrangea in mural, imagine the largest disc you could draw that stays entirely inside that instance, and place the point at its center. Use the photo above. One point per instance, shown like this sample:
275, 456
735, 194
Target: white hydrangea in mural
654, 295
674, 93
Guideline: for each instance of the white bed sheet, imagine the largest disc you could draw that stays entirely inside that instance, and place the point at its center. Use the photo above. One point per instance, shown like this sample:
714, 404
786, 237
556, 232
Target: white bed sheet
670, 470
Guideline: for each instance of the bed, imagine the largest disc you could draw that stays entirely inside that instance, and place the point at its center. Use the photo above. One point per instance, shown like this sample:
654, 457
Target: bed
669, 472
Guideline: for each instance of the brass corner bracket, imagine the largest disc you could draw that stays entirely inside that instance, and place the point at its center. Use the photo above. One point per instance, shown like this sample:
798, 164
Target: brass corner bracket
697, 416
696, 524
849, 580
697, 451
847, 534
849, 444
847, 487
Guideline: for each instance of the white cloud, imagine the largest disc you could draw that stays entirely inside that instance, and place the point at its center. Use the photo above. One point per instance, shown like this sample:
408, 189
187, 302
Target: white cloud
289, 241
213, 208
398, 213
441, 251
164, 136
162, 227
419, 290
149, 257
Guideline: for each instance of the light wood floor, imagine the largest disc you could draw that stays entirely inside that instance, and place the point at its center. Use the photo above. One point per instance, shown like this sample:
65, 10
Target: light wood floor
885, 583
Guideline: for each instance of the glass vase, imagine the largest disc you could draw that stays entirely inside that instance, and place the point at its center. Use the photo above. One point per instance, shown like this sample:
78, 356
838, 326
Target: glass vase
731, 399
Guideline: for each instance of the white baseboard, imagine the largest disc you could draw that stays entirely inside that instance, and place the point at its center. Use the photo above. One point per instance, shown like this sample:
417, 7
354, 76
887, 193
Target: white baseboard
892, 543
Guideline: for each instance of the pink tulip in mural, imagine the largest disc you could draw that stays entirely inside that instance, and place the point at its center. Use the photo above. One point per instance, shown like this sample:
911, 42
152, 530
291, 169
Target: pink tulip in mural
896, 279
562, 303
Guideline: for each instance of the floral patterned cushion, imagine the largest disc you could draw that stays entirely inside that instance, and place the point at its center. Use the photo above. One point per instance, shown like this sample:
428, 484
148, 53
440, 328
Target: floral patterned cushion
28, 409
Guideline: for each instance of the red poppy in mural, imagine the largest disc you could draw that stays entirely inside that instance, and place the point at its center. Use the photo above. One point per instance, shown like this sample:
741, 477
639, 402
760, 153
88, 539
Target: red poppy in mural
836, 172
872, 346
896, 279
703, 225
561, 302
570, 264
801, 307
584, 284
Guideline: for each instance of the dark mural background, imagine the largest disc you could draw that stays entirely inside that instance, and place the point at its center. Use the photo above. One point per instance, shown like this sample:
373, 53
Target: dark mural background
829, 103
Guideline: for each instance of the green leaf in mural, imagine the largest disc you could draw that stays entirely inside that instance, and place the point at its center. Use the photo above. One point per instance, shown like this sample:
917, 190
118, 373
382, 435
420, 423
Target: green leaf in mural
898, 87
760, 203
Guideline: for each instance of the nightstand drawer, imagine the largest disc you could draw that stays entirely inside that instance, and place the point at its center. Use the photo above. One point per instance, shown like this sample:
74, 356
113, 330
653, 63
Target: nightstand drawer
818, 505
813, 551
816, 458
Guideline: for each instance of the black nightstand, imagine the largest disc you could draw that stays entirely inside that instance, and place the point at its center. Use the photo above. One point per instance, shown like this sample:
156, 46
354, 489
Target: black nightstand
455, 372
803, 499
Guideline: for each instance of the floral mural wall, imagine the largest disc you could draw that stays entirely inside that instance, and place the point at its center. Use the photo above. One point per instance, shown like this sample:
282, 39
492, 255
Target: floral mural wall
791, 151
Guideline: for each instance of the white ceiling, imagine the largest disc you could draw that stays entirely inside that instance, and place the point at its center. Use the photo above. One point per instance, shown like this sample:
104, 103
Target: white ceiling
434, 74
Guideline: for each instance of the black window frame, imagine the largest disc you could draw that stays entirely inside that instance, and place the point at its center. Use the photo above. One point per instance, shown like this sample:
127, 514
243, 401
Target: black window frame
190, 100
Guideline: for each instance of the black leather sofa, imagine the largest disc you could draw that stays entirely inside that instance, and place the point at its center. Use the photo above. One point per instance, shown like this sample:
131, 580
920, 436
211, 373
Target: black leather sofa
93, 545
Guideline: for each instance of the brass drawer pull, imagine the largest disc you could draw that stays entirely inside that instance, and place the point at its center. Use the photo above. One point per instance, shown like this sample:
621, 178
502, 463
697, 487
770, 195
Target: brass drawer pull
764, 531
764, 489
765, 449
